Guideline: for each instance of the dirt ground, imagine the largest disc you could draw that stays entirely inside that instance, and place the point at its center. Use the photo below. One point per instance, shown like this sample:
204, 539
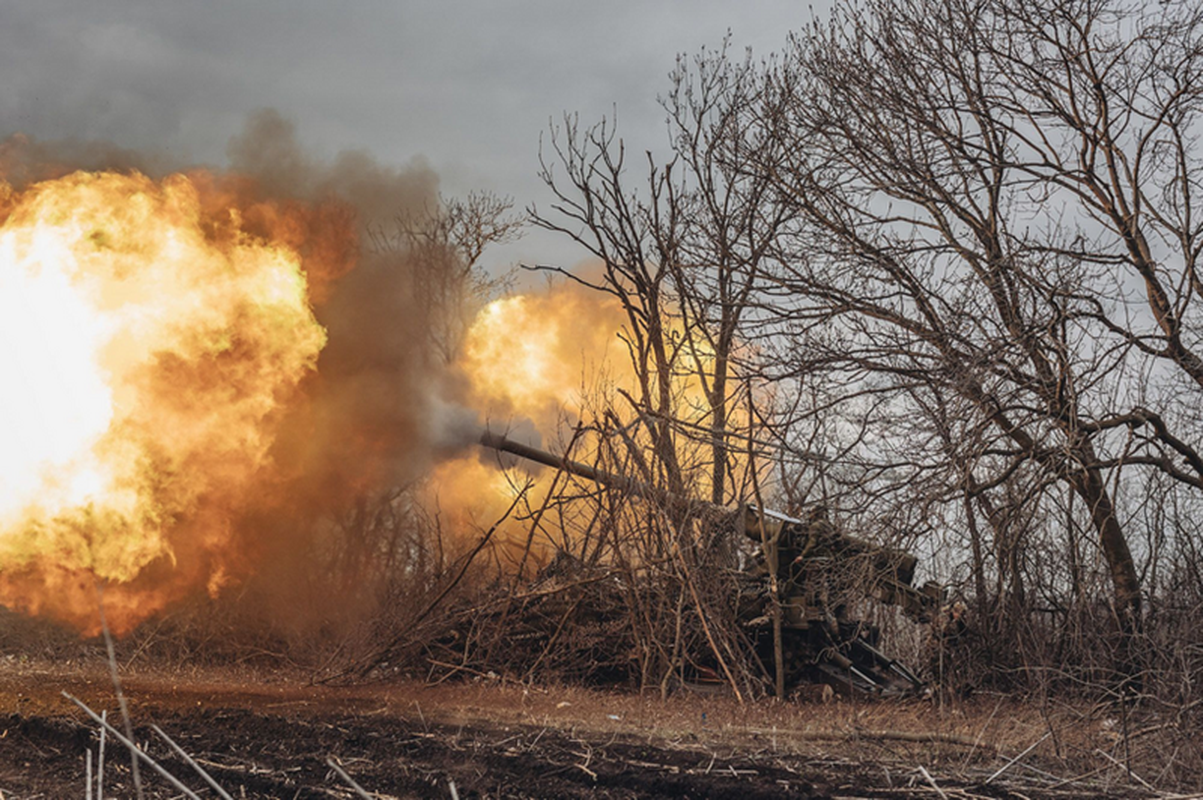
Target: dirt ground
272, 736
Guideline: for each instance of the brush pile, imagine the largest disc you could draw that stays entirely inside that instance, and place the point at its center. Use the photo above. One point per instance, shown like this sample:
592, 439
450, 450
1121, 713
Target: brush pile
591, 625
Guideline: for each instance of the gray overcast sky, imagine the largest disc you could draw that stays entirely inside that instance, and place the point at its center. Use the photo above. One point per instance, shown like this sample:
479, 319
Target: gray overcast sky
467, 85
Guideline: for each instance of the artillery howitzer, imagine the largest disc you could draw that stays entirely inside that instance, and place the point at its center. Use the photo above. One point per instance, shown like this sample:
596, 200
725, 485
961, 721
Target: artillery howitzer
819, 570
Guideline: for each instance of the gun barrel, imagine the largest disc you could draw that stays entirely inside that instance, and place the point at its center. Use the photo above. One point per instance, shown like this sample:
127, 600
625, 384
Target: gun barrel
498, 442
895, 567
632, 487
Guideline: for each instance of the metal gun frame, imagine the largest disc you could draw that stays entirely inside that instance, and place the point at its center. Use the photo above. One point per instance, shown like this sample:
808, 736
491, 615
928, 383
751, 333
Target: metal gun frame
820, 643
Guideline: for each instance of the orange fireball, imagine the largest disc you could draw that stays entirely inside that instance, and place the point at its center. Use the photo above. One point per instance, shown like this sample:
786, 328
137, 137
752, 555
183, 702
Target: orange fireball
149, 346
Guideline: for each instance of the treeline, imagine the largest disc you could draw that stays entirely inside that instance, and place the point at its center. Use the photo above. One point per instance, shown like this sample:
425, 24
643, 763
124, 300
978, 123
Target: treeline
941, 259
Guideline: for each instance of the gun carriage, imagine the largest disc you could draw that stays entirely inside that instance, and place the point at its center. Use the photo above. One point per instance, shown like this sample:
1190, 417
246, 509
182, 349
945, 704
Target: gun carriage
818, 570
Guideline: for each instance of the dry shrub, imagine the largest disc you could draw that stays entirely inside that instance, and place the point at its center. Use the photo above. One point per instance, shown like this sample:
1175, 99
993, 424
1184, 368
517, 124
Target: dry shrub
325, 603
628, 601
31, 638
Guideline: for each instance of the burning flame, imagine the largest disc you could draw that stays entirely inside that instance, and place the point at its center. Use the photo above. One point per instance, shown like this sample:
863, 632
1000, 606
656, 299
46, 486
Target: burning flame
151, 343
529, 355
531, 358
542, 360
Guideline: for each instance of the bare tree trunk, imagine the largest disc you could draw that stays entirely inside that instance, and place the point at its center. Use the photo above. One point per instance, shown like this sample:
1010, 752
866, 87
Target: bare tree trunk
1124, 579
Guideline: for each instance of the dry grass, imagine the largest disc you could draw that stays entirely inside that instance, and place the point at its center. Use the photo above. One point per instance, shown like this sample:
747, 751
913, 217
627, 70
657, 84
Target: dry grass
1075, 744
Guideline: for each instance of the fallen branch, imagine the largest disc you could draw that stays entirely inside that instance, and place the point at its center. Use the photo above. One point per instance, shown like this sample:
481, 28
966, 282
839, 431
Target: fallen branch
932, 781
359, 790
1128, 770
104, 715
121, 703
461, 668
134, 749
179, 751
1029, 749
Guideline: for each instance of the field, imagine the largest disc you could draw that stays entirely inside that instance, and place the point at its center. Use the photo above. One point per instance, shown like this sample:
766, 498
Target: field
269, 735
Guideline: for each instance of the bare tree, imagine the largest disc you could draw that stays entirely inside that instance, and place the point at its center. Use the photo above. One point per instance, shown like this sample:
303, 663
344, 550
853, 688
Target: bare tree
732, 218
595, 208
684, 253
959, 239
683, 249
442, 248
977, 185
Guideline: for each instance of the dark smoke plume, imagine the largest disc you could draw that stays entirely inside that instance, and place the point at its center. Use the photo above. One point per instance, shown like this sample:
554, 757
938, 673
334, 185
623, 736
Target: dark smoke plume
375, 420
366, 423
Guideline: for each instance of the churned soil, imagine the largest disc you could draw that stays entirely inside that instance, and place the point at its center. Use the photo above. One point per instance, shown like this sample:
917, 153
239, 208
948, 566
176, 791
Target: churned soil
271, 736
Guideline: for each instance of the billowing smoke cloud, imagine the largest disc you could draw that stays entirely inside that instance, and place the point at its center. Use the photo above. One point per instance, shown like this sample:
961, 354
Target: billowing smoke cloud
367, 421
24, 160
268, 151
380, 410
